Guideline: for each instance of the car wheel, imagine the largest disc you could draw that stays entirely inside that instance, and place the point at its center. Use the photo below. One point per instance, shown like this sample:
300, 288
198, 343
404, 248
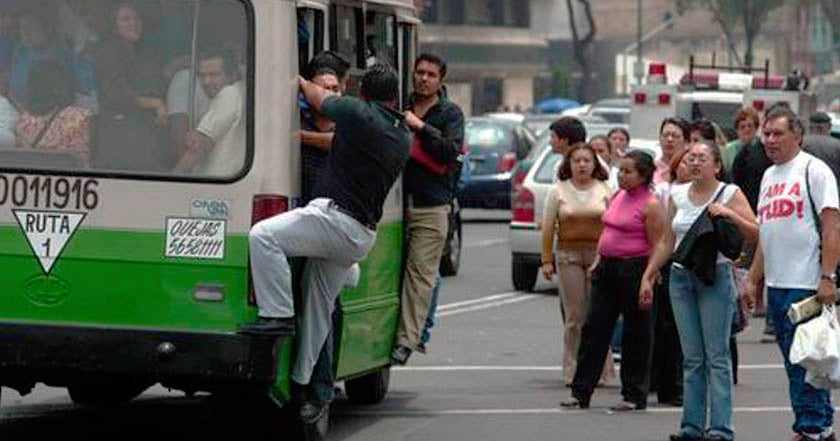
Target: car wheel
451, 259
524, 276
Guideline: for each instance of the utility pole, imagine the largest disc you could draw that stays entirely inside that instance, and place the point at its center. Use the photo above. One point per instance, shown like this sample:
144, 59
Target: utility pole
638, 68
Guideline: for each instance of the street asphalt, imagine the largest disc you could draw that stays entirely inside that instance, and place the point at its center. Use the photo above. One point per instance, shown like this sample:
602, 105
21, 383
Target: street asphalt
491, 373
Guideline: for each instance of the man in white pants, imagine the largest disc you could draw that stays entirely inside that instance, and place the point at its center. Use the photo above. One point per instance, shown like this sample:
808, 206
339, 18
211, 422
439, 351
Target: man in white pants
338, 227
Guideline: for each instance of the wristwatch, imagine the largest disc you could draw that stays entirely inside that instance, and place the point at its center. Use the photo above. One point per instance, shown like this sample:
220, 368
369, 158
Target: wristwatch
832, 277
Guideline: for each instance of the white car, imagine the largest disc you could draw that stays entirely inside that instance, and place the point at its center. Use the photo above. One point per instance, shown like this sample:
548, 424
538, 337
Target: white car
527, 206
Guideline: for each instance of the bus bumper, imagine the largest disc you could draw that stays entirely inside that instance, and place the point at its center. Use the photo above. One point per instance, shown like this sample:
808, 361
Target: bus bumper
60, 355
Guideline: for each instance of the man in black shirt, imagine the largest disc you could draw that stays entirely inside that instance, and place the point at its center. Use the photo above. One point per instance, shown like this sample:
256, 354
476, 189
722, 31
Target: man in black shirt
430, 178
338, 227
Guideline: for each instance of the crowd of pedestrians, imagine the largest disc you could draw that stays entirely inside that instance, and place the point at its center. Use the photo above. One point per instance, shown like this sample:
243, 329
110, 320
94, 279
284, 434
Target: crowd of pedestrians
664, 252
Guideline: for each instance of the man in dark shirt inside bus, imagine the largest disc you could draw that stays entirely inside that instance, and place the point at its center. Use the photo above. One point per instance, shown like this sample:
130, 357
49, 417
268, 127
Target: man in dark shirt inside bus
430, 178
336, 229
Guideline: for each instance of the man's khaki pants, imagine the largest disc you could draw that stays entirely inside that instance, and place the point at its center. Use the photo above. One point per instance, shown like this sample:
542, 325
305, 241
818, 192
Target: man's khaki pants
427, 228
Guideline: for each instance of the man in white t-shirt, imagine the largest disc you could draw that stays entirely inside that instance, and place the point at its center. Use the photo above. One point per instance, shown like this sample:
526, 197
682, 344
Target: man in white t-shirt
797, 253
217, 146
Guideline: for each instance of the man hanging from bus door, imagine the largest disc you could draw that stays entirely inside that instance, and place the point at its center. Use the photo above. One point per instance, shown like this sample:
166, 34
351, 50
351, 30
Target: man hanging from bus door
335, 230
328, 70
430, 179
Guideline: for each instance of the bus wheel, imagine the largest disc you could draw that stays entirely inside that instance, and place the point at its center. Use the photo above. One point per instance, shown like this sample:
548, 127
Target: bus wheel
104, 393
370, 388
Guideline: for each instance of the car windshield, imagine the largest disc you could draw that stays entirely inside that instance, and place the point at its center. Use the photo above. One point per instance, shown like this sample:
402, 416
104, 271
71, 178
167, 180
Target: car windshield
488, 135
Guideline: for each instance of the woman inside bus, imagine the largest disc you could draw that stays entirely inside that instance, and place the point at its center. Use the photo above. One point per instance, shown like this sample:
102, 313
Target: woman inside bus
37, 41
666, 364
573, 210
50, 121
674, 134
703, 311
633, 224
132, 110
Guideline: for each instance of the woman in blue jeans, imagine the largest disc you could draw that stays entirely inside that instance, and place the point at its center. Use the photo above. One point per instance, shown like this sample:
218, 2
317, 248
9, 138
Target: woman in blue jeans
703, 312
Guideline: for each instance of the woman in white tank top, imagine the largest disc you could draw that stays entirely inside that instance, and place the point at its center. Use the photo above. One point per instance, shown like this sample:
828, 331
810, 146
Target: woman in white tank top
703, 313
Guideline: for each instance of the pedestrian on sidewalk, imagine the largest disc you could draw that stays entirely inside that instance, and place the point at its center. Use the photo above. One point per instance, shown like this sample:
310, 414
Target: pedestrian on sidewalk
702, 297
573, 210
797, 254
633, 223
666, 364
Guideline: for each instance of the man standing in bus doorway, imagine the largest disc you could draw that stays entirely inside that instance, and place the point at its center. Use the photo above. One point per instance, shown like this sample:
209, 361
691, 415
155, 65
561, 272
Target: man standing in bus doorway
430, 178
337, 228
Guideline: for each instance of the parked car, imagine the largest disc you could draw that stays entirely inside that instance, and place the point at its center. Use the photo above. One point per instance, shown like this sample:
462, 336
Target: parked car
527, 207
494, 147
595, 125
614, 110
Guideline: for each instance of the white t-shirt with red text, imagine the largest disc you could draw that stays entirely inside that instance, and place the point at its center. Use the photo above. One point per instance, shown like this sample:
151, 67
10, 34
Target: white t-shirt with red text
788, 231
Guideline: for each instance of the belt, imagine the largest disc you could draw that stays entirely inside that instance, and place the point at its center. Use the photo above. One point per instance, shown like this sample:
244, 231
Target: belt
356, 217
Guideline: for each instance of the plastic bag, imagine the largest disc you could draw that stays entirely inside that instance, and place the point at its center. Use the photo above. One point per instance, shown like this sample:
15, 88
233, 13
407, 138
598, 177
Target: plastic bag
815, 343
824, 381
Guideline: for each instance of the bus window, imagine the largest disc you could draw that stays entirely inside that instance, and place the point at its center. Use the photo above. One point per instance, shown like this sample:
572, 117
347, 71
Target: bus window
380, 39
407, 51
310, 35
146, 88
346, 24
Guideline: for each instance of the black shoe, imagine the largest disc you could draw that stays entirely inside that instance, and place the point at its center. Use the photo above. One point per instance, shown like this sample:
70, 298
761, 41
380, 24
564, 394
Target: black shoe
400, 354
270, 326
311, 412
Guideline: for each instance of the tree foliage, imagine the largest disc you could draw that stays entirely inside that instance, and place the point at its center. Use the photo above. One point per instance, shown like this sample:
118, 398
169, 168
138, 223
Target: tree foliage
750, 15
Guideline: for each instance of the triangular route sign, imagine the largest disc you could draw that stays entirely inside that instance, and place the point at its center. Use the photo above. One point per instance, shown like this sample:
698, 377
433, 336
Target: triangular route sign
48, 232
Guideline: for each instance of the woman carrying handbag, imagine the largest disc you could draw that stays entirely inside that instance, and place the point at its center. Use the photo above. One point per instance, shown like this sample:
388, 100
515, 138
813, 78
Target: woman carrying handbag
705, 213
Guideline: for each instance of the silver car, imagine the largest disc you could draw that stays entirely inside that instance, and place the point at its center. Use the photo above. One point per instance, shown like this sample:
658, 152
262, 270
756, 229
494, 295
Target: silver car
527, 206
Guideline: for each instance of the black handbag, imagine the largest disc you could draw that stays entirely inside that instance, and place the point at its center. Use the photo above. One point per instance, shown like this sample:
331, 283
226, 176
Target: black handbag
730, 241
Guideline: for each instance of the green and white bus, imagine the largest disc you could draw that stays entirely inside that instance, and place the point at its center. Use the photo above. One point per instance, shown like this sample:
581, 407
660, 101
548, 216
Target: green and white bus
119, 270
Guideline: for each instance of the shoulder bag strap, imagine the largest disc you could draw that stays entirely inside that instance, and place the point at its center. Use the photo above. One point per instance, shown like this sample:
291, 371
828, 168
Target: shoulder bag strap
811, 199
44, 130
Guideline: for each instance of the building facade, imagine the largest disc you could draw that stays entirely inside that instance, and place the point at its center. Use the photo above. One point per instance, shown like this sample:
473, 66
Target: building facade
497, 50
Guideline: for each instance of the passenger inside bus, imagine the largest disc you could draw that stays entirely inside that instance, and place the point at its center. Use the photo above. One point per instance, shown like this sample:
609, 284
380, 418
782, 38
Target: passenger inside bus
215, 147
37, 40
182, 111
132, 110
50, 120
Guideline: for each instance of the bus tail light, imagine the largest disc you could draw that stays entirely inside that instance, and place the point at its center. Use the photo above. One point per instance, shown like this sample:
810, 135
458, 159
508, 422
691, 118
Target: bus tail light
263, 207
758, 105
523, 205
664, 99
639, 98
507, 163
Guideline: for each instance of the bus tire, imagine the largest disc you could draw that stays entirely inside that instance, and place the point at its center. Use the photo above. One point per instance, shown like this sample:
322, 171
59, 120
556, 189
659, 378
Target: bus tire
524, 275
104, 393
370, 388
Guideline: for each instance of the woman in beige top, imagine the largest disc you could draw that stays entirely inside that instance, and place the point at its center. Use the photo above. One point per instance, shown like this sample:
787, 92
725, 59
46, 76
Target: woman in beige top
573, 210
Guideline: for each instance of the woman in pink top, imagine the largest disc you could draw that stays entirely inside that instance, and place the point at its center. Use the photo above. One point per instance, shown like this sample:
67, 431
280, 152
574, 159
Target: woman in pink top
633, 223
